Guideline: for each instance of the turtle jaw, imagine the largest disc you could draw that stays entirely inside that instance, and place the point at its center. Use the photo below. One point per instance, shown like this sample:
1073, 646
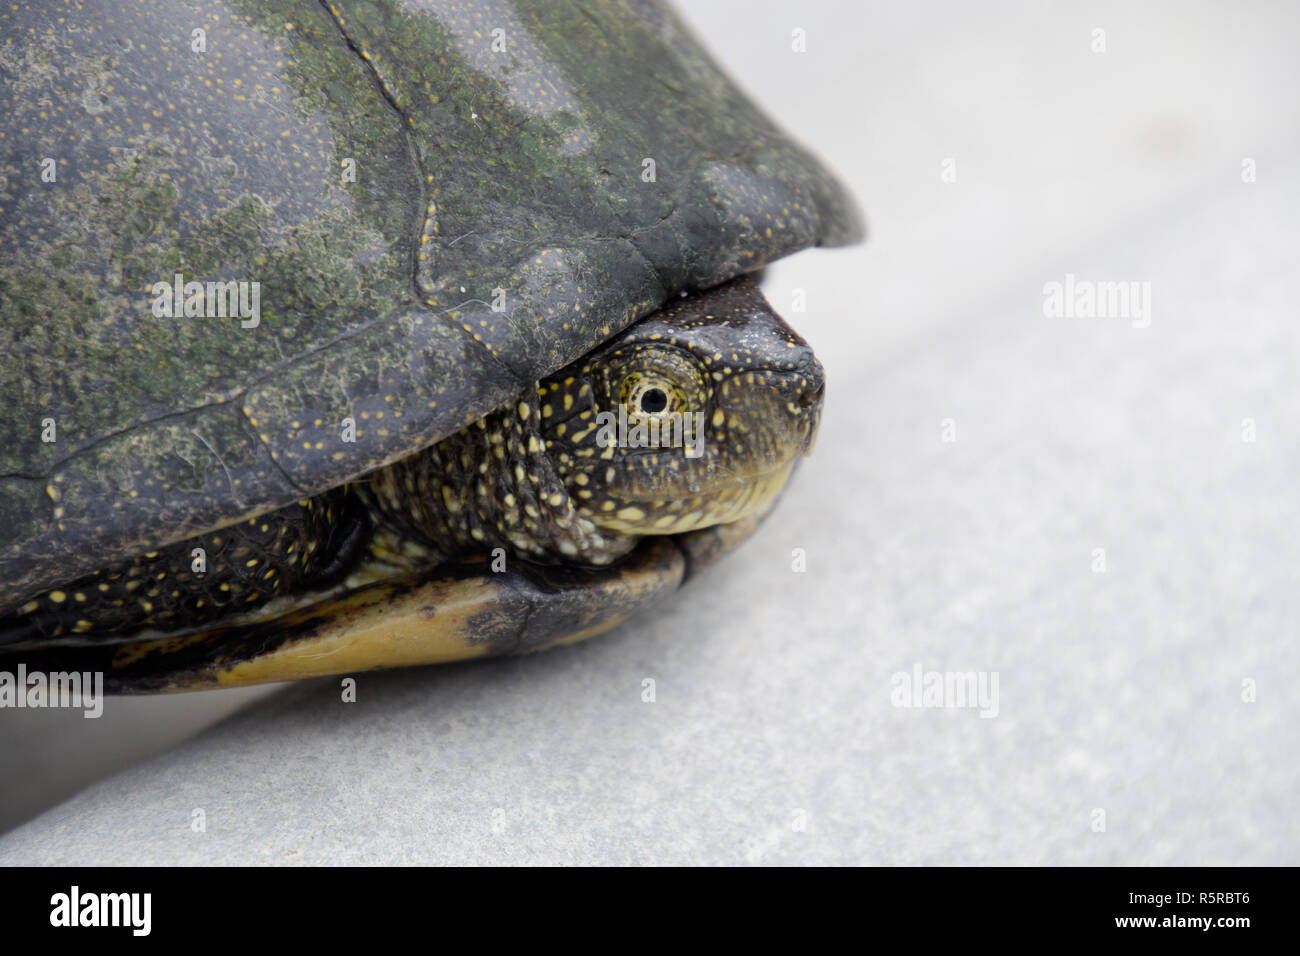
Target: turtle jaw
735, 499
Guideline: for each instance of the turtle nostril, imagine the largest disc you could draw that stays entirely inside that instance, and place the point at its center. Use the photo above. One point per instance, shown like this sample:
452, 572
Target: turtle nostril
812, 395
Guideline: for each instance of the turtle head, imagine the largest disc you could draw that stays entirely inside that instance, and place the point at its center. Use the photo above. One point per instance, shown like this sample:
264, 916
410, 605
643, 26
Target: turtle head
693, 417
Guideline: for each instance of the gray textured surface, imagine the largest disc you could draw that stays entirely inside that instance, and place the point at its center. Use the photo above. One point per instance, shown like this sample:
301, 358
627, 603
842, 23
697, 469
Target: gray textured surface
1119, 690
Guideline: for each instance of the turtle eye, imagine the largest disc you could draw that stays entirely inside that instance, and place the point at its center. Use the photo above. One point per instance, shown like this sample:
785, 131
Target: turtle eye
652, 396
655, 383
653, 400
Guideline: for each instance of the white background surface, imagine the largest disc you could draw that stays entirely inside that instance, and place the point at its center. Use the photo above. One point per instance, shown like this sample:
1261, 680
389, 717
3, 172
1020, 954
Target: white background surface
1119, 691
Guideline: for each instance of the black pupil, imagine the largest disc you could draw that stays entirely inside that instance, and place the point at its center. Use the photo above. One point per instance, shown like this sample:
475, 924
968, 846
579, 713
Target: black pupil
653, 400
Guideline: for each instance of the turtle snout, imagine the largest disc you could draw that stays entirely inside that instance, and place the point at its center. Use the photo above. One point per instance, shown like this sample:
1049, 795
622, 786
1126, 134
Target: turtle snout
812, 377
811, 395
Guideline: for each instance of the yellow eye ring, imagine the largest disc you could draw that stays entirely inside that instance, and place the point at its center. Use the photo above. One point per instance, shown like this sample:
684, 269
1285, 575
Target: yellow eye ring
652, 396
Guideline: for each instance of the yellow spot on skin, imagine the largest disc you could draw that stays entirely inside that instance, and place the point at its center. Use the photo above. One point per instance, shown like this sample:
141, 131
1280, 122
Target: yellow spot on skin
719, 418
631, 514
524, 411
58, 597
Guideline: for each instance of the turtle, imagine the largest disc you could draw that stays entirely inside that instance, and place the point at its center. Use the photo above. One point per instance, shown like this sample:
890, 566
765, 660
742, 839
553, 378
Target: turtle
358, 335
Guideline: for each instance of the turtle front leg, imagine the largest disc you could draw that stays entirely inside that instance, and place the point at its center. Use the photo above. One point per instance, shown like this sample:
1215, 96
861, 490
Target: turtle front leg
307, 546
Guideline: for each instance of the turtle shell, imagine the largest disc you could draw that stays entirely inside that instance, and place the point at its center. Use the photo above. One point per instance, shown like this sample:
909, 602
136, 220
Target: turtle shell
427, 206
